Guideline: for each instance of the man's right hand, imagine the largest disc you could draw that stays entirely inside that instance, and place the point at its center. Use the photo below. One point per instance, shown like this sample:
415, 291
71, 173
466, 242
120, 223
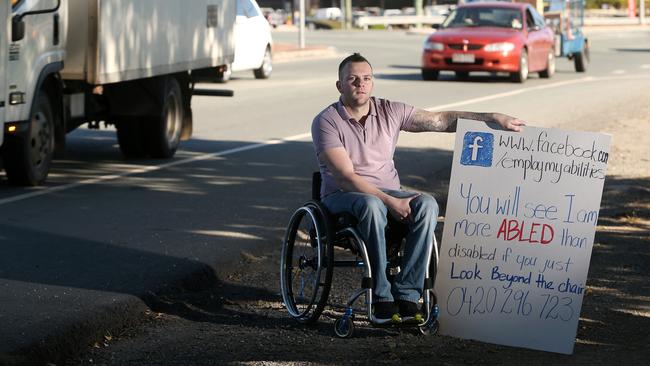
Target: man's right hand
400, 208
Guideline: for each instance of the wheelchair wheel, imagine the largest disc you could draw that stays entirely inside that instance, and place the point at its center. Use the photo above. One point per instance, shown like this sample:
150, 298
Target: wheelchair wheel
432, 325
344, 327
307, 263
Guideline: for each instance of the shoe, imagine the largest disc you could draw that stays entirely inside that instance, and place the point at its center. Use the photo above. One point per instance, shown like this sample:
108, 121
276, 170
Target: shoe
385, 312
410, 312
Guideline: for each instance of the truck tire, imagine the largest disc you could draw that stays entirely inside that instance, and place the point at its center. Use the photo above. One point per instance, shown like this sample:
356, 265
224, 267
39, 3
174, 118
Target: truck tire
163, 132
581, 59
27, 157
264, 72
130, 138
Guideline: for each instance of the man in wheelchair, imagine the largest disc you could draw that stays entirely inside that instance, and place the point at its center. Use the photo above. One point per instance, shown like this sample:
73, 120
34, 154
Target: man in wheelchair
355, 139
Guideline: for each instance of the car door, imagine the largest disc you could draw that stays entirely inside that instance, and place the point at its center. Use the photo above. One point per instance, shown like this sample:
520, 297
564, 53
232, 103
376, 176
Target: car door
4, 40
249, 50
537, 50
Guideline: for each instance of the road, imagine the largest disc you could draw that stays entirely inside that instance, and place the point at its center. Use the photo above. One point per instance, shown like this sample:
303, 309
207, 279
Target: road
90, 250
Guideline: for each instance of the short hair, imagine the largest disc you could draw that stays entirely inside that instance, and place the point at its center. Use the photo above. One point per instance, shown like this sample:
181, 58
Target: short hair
355, 57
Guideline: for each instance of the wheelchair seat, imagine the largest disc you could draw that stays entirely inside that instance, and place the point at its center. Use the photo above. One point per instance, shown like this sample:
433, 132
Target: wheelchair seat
395, 230
307, 263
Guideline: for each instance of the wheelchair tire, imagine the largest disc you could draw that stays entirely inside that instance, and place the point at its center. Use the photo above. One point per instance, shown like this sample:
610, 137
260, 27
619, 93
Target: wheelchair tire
307, 263
429, 328
432, 325
344, 327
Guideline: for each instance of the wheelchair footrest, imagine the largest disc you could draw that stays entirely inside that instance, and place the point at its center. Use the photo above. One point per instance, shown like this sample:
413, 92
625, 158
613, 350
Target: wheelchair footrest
396, 325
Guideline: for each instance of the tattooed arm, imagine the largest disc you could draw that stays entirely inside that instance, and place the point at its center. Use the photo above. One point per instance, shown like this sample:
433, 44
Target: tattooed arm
426, 121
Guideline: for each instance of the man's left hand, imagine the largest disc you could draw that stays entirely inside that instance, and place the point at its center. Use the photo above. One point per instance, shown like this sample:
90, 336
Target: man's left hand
508, 122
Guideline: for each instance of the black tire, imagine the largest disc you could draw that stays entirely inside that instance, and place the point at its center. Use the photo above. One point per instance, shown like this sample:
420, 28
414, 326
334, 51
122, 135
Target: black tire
264, 72
307, 263
428, 74
581, 59
429, 328
549, 71
163, 132
27, 157
344, 327
521, 75
131, 138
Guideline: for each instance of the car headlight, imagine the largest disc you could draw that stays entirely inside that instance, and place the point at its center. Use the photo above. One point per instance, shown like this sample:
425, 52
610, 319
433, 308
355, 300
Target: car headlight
500, 47
434, 46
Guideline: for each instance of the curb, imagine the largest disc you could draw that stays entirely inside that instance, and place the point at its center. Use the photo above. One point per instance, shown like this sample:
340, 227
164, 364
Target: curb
287, 52
64, 343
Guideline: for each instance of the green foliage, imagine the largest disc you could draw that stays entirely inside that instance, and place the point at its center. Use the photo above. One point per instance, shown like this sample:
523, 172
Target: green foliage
326, 24
617, 4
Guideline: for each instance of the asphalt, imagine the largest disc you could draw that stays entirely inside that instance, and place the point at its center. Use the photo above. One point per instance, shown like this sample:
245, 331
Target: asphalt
52, 308
62, 328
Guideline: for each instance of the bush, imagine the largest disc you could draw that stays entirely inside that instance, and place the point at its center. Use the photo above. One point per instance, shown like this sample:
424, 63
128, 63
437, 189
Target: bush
617, 4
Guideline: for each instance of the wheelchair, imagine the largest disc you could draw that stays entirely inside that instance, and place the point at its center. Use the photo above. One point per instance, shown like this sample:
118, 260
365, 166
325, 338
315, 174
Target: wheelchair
307, 265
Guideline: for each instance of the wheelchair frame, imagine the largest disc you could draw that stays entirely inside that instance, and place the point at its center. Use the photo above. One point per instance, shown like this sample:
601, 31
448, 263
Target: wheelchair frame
312, 264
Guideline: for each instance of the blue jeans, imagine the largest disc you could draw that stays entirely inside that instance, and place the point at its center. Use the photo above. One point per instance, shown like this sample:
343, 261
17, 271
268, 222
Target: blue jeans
371, 213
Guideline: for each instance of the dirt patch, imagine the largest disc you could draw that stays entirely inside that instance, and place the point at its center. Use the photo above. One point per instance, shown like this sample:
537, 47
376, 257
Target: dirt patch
241, 320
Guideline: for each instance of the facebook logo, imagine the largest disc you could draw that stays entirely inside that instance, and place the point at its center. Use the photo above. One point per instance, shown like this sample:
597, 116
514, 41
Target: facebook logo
477, 149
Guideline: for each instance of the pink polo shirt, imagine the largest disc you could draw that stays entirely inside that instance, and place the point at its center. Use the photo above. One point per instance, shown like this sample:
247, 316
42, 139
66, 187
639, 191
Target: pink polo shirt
370, 146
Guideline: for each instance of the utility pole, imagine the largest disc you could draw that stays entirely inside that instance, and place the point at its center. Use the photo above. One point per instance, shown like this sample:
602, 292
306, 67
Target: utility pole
642, 12
301, 26
418, 11
348, 14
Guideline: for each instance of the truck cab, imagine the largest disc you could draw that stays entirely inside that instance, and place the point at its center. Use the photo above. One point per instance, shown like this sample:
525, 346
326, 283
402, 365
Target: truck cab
31, 91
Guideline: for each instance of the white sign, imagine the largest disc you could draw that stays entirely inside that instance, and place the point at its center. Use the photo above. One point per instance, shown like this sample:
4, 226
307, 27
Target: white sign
519, 228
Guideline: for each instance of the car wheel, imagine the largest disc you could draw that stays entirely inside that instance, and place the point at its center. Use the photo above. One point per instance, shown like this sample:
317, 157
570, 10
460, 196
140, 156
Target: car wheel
428, 74
581, 59
267, 66
550, 65
521, 75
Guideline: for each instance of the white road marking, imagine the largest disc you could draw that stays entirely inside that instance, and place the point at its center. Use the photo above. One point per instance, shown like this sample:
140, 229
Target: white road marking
645, 66
510, 93
152, 168
619, 72
227, 234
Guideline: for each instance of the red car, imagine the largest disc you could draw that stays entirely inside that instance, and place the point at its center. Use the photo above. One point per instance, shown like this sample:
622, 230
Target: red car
493, 37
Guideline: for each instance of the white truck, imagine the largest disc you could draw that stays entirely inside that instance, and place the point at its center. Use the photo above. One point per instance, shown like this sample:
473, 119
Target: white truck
128, 63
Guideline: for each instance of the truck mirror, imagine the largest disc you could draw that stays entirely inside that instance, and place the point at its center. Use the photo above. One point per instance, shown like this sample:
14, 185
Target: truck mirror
18, 25
17, 28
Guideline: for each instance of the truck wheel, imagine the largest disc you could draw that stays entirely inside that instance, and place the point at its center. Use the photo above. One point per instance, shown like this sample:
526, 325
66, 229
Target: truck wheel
521, 75
164, 131
581, 59
267, 66
27, 157
130, 138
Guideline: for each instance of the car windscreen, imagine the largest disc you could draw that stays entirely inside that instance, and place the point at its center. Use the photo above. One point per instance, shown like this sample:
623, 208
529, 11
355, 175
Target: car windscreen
484, 17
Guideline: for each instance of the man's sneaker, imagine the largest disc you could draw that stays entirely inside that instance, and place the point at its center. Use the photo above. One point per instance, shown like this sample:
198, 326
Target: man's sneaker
410, 312
385, 312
